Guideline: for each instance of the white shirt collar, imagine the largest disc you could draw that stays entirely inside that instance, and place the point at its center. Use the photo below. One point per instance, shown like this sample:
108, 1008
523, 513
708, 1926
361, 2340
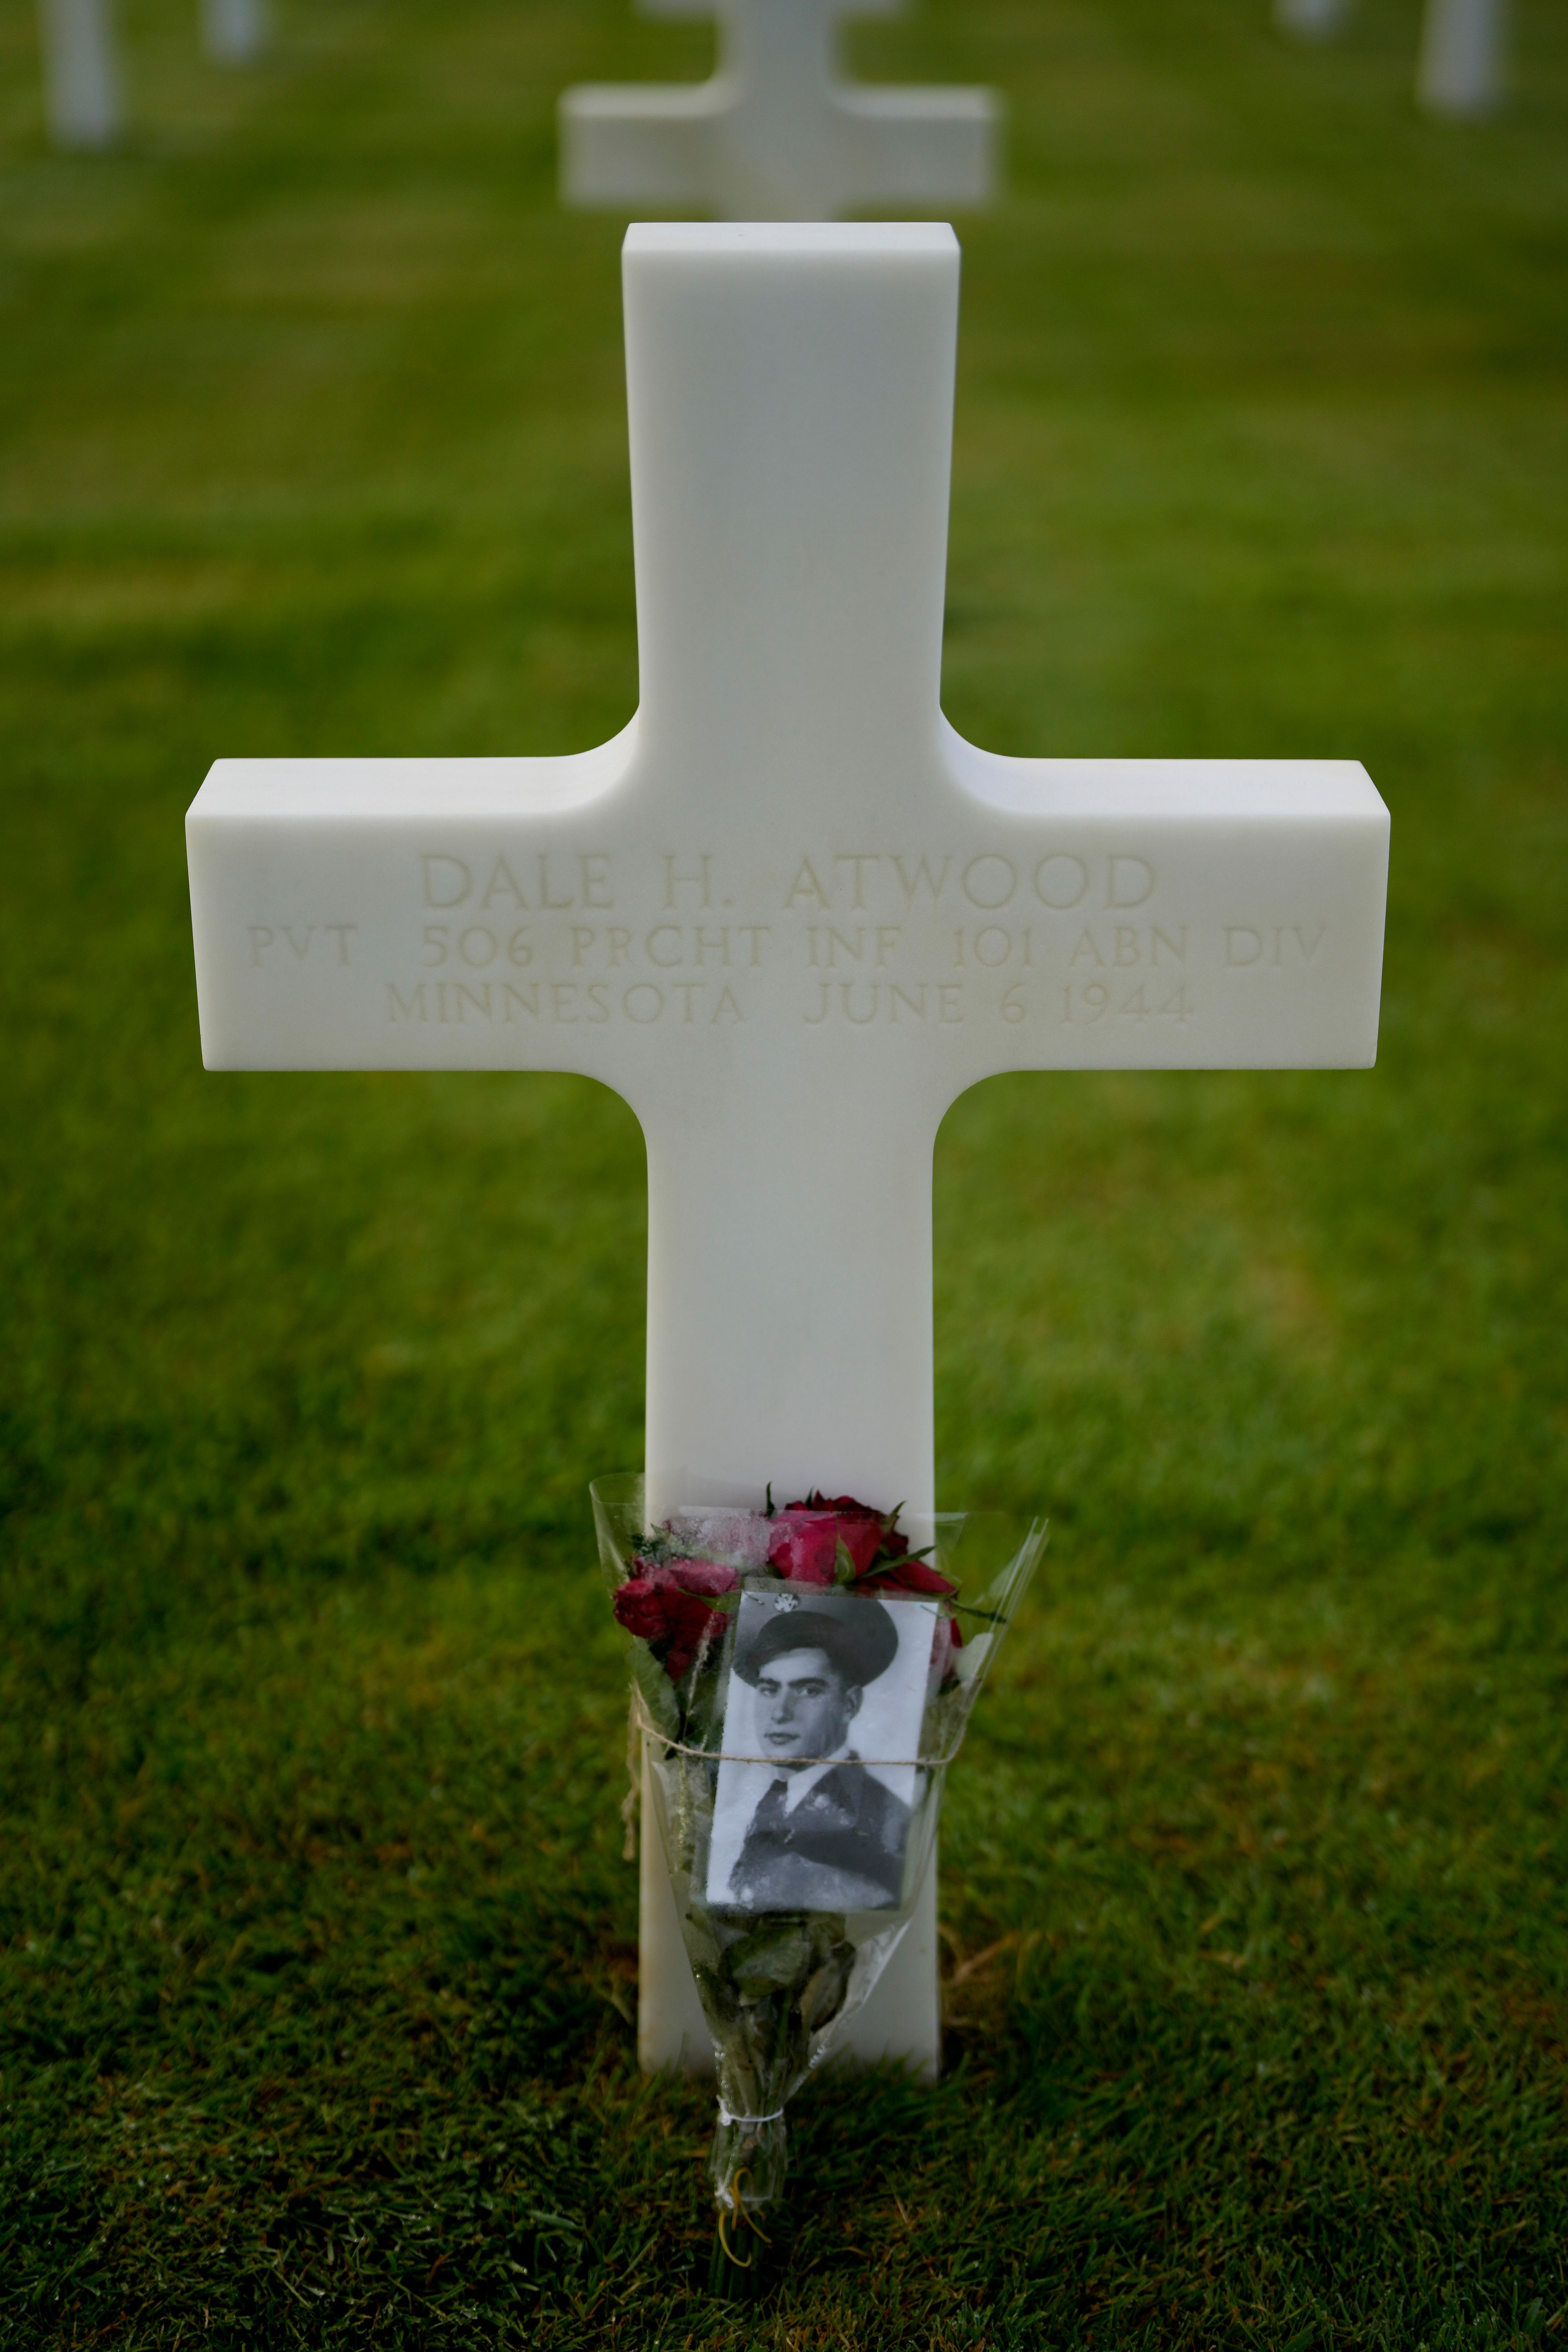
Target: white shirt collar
798, 1785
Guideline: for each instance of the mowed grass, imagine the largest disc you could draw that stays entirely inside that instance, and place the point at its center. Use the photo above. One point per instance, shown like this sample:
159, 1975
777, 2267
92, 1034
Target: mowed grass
316, 1950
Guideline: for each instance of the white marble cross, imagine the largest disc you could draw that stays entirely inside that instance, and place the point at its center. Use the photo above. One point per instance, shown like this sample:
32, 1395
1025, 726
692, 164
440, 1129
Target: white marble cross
776, 134
234, 32
1461, 62
81, 73
788, 912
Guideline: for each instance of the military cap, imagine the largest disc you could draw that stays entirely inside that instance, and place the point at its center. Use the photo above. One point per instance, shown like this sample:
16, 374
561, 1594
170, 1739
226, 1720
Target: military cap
861, 1640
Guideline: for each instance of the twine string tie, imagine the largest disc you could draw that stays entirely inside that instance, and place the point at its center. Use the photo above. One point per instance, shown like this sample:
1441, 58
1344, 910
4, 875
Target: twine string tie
651, 1730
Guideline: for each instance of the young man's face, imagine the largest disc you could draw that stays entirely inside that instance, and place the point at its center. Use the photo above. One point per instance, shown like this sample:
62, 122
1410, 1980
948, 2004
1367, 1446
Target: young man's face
805, 1705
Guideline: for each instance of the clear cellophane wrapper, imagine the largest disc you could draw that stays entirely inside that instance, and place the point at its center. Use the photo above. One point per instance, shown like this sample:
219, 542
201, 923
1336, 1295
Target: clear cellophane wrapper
779, 1988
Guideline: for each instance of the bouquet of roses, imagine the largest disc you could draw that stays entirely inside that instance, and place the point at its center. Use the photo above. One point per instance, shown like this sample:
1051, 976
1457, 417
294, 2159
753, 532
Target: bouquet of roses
801, 1678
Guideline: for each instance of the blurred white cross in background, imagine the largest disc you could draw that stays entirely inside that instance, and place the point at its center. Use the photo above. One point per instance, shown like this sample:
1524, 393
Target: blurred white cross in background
776, 134
81, 73
234, 32
1462, 44
1312, 20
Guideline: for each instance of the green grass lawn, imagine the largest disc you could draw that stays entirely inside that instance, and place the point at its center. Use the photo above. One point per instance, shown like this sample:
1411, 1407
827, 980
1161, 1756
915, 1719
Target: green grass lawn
316, 1950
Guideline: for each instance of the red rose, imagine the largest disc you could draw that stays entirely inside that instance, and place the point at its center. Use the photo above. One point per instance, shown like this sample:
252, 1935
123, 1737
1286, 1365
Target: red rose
807, 1536
849, 1512
805, 1547
945, 1645
640, 1606
691, 1622
908, 1576
708, 1577
670, 1602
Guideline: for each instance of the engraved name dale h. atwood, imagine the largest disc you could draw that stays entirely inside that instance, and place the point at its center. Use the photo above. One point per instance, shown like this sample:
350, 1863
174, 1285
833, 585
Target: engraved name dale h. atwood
788, 912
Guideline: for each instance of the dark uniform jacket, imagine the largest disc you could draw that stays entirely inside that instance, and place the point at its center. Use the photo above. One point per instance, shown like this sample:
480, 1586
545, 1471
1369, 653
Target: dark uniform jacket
841, 1849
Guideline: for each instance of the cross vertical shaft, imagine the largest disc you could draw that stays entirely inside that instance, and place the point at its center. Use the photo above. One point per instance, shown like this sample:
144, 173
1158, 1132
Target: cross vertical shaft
792, 423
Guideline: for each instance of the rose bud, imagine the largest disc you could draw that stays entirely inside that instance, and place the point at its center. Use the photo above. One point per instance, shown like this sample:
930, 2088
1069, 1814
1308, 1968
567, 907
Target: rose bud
711, 1577
691, 1622
665, 1603
804, 1547
808, 1534
909, 1576
640, 1606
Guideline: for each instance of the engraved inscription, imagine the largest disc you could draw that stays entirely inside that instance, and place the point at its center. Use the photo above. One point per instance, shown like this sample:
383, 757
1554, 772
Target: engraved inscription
727, 947
827, 945
1272, 946
458, 1004
859, 882
700, 882
558, 884
993, 945
501, 938
337, 942
475, 945
864, 1004
1119, 947
1091, 1000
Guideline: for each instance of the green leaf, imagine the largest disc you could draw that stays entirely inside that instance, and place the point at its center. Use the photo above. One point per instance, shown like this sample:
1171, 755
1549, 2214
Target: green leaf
771, 1958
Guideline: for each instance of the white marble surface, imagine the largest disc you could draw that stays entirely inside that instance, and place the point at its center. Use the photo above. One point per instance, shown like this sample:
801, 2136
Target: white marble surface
1461, 65
787, 913
776, 133
82, 96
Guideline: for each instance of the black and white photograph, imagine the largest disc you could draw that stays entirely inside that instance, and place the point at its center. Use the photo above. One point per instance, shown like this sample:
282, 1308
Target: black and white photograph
822, 1730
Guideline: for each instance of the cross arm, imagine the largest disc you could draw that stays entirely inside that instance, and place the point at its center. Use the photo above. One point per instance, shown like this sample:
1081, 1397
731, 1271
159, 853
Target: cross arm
628, 144
415, 914
1171, 914
558, 914
934, 147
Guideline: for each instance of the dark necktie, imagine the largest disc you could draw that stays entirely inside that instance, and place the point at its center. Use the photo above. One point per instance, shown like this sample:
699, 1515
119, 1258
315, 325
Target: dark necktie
771, 1814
